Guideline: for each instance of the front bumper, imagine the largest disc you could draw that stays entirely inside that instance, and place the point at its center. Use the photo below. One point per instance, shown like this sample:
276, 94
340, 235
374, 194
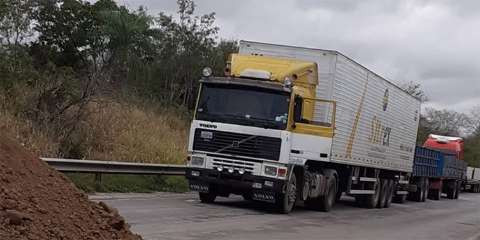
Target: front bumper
225, 183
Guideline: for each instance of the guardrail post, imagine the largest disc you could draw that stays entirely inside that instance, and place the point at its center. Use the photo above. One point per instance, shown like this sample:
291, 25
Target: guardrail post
98, 182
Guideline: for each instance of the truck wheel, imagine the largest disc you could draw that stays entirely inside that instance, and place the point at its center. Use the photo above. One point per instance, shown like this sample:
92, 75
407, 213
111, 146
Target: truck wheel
207, 197
338, 196
390, 191
417, 196
400, 198
434, 194
457, 190
371, 201
426, 186
247, 197
383, 193
328, 200
285, 202
451, 190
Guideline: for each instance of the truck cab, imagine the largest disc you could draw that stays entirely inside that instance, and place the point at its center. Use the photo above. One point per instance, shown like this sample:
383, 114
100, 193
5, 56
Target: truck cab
249, 125
446, 144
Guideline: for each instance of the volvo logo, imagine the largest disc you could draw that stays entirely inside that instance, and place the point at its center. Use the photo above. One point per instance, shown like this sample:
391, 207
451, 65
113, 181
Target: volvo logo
208, 125
236, 144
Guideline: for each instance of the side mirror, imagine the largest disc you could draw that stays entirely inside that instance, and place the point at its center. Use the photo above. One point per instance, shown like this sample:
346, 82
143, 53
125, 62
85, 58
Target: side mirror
297, 109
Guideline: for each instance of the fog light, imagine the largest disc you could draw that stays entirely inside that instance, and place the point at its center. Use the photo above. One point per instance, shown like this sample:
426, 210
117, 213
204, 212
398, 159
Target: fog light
269, 183
230, 170
271, 171
241, 171
220, 168
195, 173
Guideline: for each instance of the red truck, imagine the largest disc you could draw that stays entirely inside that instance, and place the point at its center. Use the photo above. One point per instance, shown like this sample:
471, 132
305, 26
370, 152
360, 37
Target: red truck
444, 156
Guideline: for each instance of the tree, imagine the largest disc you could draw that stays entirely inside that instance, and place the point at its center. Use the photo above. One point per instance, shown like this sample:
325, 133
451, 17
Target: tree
446, 122
414, 89
424, 127
472, 150
67, 29
475, 120
15, 28
129, 39
187, 47
221, 53
15, 21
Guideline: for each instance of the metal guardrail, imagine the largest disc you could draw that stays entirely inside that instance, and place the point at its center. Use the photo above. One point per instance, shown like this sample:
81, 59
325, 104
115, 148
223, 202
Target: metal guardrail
114, 167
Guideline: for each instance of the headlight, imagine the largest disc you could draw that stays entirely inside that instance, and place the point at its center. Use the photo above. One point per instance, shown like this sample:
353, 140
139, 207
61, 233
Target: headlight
270, 171
197, 161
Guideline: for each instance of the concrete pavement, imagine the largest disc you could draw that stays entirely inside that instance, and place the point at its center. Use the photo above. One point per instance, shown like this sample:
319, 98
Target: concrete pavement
182, 217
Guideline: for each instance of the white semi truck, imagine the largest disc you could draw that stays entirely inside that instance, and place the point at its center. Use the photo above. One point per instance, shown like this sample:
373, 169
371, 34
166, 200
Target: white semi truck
288, 124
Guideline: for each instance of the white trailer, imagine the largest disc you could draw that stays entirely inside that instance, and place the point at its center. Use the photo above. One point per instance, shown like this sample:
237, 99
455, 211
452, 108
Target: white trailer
376, 121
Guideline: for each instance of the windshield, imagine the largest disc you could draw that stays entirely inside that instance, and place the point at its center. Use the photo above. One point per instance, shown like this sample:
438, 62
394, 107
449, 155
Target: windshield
243, 105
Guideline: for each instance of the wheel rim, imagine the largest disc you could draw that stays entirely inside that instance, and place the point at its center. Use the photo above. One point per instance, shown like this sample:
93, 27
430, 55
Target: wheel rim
306, 189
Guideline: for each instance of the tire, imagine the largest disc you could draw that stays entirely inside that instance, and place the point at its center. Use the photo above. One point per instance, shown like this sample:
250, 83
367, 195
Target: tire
390, 193
360, 200
457, 190
207, 197
326, 202
286, 201
338, 195
383, 193
434, 194
426, 187
400, 198
451, 190
247, 197
418, 195
371, 201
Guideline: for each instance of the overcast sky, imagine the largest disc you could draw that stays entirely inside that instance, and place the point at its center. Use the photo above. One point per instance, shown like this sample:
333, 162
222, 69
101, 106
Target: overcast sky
433, 42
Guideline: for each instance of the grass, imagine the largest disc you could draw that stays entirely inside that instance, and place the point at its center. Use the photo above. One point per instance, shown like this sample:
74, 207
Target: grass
117, 130
137, 133
114, 130
129, 183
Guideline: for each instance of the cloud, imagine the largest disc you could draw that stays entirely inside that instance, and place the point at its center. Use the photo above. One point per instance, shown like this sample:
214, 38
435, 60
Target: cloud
433, 42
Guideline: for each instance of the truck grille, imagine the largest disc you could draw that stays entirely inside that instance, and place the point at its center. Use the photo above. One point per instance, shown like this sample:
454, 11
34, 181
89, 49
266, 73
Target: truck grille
247, 166
237, 144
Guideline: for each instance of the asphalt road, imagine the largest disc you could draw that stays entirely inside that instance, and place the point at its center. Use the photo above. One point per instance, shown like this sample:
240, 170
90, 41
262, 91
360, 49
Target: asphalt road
181, 217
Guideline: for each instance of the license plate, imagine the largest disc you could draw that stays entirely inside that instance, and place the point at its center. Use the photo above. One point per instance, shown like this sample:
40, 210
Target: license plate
198, 187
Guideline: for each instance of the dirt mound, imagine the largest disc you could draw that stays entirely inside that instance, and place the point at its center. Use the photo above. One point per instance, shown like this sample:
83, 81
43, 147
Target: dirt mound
37, 202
